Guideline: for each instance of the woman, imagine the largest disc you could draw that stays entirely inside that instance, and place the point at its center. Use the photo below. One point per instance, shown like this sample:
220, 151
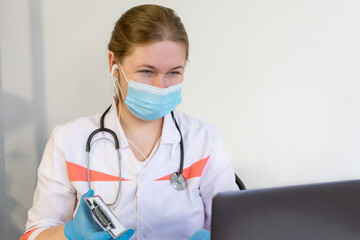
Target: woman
171, 165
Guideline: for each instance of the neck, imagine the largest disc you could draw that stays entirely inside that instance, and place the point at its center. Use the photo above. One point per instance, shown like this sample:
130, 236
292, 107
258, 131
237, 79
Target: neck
135, 129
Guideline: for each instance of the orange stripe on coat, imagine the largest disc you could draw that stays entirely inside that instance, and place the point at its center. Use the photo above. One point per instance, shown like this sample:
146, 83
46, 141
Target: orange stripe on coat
27, 234
194, 170
78, 173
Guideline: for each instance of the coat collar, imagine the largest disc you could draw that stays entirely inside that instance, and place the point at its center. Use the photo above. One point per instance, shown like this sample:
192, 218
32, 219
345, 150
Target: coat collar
170, 134
112, 122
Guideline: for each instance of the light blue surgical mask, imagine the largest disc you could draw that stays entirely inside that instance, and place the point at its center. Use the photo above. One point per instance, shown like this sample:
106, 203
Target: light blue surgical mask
150, 103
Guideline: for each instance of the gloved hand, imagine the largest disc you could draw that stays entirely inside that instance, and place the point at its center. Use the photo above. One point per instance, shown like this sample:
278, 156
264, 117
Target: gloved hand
84, 227
201, 235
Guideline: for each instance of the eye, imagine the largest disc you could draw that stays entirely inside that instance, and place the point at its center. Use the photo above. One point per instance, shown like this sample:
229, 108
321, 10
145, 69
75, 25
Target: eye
174, 73
146, 72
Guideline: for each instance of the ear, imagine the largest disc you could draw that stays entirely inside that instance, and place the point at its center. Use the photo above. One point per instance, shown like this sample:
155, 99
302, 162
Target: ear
112, 62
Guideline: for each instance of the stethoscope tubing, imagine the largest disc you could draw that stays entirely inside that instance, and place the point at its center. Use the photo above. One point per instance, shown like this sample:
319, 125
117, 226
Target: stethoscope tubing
175, 182
89, 182
181, 146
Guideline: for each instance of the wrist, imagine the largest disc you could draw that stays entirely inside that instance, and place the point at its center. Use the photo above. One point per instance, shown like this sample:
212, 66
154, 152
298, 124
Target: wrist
54, 233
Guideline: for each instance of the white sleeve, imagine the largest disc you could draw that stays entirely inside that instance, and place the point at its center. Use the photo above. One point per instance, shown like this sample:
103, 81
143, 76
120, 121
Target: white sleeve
54, 198
218, 176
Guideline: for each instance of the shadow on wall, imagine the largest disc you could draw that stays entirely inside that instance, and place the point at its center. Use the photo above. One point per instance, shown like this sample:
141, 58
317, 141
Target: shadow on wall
16, 180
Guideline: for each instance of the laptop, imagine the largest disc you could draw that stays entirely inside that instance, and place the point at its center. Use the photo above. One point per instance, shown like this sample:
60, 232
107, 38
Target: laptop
324, 211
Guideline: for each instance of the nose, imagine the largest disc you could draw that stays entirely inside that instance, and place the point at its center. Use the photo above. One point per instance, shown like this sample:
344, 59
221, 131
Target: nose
158, 81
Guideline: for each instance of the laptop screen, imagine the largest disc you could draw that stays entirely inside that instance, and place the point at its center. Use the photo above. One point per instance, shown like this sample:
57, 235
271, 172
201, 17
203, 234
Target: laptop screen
328, 211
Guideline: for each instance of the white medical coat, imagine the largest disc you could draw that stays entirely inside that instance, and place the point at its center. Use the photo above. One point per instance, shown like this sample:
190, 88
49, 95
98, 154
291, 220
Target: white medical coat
145, 186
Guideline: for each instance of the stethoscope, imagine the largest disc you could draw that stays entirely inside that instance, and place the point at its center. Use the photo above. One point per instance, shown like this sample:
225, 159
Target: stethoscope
177, 179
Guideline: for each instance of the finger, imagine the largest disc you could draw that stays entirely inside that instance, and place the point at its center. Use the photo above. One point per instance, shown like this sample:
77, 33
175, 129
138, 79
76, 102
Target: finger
101, 235
127, 235
88, 194
201, 235
83, 208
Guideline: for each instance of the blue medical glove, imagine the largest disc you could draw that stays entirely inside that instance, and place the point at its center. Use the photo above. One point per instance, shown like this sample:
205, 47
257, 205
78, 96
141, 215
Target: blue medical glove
126, 235
84, 227
201, 235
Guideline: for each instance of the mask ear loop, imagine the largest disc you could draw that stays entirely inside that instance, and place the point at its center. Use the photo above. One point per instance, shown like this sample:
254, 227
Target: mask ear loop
122, 70
117, 88
117, 92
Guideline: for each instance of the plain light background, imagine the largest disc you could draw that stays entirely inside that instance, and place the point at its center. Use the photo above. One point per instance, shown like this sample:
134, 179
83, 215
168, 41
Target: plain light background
280, 79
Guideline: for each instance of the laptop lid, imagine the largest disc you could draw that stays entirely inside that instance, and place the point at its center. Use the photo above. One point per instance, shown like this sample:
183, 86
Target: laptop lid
328, 211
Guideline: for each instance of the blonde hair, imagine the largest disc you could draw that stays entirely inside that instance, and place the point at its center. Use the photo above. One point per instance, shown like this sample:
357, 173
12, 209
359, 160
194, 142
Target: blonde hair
146, 24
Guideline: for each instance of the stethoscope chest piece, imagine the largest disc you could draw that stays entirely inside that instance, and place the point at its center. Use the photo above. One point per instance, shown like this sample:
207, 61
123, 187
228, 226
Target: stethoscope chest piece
178, 181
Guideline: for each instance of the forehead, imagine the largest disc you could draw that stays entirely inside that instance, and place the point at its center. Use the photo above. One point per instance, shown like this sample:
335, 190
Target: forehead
161, 54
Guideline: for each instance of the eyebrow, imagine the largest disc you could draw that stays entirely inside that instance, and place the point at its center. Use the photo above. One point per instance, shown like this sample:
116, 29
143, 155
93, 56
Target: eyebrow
152, 67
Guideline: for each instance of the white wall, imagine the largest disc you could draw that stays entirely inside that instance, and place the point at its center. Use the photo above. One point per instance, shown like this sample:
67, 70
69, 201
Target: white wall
280, 79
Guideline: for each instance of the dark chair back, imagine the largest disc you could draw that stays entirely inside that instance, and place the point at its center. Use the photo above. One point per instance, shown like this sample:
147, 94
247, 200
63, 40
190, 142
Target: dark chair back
240, 184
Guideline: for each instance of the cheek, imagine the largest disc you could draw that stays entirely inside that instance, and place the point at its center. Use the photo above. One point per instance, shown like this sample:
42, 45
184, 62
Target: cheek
124, 87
